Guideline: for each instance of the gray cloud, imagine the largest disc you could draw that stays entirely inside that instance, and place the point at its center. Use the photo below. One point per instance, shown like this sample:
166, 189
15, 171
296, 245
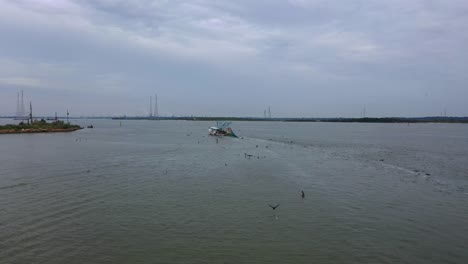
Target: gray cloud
304, 58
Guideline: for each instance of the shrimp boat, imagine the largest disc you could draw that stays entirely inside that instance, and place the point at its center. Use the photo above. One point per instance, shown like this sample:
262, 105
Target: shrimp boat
221, 129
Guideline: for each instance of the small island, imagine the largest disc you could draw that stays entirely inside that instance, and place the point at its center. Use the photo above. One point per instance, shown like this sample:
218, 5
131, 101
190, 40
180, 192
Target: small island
39, 126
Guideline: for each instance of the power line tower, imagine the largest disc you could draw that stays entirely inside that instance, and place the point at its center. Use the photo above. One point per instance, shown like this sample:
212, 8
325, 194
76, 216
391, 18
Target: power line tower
156, 110
30, 113
17, 105
269, 112
151, 106
22, 111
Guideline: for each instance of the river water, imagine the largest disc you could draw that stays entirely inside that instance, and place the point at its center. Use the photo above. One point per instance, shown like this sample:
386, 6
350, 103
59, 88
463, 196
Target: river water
165, 192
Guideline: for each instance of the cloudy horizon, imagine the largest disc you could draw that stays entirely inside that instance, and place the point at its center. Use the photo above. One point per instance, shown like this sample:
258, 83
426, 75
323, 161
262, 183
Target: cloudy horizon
235, 58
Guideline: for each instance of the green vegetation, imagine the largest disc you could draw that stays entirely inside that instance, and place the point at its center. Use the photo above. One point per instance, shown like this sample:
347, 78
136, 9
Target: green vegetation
39, 126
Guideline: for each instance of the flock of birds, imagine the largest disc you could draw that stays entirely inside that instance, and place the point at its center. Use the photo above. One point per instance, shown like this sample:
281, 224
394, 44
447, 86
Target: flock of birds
249, 156
246, 156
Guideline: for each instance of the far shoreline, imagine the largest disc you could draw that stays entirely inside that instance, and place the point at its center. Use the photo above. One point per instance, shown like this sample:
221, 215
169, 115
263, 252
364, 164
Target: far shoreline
447, 120
388, 120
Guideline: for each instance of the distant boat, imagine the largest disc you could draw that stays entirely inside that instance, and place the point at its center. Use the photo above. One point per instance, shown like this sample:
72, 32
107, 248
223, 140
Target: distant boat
90, 126
221, 129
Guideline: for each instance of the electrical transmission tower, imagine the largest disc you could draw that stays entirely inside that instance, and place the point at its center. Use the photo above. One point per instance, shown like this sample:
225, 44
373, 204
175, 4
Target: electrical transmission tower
151, 106
156, 110
20, 112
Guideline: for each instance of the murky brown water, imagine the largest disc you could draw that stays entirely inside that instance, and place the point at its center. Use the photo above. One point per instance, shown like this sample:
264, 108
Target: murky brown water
165, 192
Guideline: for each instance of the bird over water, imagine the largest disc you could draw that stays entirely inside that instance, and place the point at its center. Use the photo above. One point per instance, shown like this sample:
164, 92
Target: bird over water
273, 207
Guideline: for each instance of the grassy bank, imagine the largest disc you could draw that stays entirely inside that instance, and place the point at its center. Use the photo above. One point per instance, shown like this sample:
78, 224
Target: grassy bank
38, 127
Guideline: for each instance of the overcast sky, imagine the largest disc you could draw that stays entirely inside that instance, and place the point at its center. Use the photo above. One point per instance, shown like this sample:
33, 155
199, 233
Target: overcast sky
204, 57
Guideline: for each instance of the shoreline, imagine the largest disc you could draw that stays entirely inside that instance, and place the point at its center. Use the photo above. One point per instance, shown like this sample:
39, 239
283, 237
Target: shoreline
38, 130
449, 120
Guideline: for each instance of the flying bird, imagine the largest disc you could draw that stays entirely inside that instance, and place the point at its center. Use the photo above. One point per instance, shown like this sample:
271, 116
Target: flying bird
303, 194
273, 207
